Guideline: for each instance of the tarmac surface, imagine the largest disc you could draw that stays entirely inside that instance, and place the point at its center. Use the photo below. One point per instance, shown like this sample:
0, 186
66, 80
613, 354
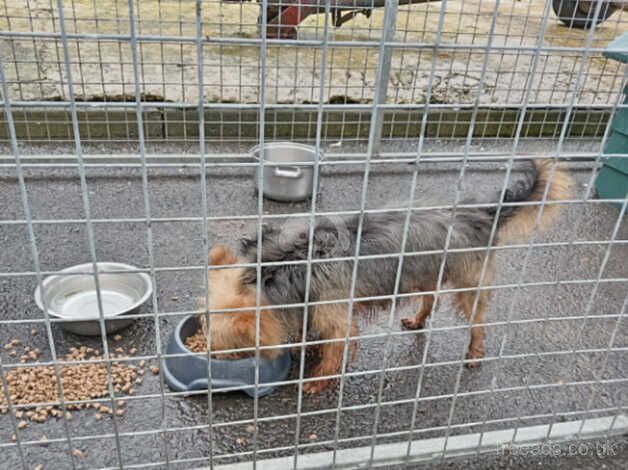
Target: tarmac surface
539, 380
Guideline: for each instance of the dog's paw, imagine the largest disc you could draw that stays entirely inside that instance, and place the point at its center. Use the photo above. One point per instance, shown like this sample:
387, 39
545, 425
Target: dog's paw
472, 358
315, 386
411, 324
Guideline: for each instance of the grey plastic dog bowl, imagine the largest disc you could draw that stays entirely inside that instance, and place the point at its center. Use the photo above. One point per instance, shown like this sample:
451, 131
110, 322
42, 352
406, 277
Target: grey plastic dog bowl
71, 296
189, 372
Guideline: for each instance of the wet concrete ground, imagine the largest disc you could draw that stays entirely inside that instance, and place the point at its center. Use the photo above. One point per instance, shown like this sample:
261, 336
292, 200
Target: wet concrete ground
531, 384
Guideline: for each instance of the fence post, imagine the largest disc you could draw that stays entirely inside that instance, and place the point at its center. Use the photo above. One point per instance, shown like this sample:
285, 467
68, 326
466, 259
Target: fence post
381, 83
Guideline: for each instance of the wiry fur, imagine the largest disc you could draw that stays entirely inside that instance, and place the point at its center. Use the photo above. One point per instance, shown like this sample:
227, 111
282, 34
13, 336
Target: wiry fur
542, 176
381, 234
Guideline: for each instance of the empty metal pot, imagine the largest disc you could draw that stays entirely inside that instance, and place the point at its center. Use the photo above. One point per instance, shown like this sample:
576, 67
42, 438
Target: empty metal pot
288, 170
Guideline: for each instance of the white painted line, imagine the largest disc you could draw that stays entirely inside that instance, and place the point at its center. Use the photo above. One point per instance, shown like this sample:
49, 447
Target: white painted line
426, 449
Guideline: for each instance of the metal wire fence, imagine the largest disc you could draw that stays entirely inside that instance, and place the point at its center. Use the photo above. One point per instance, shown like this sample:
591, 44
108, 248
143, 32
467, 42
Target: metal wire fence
126, 133
515, 38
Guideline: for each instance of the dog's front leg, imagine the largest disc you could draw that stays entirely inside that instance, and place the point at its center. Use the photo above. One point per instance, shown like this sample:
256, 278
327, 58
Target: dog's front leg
330, 321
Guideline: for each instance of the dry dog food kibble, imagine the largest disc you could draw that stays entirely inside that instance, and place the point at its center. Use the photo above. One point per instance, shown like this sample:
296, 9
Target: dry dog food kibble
33, 384
197, 342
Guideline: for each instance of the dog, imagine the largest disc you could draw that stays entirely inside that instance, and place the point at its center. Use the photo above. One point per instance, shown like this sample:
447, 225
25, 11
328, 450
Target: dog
284, 283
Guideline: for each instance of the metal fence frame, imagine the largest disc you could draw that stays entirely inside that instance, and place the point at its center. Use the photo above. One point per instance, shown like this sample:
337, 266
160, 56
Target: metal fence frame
408, 448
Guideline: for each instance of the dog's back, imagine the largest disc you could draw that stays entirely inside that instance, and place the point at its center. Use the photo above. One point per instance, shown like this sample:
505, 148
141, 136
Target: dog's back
382, 234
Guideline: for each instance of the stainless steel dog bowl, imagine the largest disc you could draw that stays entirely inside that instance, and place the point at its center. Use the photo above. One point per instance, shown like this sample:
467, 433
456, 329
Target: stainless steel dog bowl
288, 170
186, 371
73, 296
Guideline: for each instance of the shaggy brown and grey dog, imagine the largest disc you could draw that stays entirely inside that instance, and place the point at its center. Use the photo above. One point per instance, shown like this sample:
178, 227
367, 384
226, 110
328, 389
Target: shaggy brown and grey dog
282, 284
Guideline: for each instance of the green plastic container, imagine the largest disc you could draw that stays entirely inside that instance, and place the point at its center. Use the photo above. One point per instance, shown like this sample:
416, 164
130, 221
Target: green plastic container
612, 180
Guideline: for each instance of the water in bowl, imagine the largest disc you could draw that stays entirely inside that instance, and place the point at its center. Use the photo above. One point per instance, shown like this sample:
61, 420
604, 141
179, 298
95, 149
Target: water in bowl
84, 305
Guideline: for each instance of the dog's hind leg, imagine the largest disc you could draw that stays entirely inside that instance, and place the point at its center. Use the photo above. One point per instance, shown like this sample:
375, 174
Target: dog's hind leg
330, 321
465, 300
476, 314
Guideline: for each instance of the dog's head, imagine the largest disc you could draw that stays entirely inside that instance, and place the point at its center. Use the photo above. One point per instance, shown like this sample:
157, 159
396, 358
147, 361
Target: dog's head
232, 330
226, 290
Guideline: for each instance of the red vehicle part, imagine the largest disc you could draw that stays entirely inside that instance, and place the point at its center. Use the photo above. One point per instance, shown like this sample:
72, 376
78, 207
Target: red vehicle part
283, 16
282, 22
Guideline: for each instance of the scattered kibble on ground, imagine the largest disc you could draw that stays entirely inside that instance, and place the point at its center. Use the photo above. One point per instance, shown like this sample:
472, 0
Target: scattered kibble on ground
34, 384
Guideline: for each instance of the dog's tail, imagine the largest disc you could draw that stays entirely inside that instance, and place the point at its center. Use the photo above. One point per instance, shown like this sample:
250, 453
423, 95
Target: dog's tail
542, 180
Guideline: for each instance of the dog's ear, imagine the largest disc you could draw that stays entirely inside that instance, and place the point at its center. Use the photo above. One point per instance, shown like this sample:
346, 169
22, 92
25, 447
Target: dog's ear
246, 244
221, 255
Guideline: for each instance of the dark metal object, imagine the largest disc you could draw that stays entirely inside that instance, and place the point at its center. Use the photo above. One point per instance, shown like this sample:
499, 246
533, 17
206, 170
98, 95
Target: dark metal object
579, 13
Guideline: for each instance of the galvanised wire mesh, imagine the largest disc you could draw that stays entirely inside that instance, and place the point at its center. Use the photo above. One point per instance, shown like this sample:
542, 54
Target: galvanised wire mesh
126, 137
